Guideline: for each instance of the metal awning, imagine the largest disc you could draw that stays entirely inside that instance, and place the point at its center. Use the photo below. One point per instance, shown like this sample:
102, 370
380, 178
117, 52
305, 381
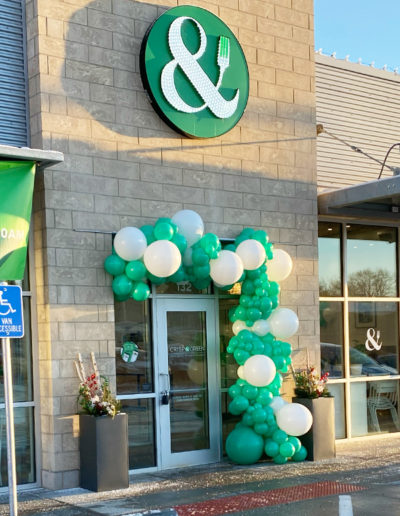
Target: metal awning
377, 200
43, 158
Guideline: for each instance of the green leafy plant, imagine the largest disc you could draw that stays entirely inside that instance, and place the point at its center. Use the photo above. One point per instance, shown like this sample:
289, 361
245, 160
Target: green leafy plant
308, 384
95, 396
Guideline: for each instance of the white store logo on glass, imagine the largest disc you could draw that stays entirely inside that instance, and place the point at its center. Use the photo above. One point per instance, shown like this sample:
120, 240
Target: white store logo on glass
188, 62
371, 343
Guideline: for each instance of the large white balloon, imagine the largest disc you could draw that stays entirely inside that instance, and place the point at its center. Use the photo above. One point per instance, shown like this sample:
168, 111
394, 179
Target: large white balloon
294, 419
130, 243
280, 266
259, 370
252, 254
190, 225
162, 258
240, 372
277, 403
226, 269
261, 327
238, 326
283, 323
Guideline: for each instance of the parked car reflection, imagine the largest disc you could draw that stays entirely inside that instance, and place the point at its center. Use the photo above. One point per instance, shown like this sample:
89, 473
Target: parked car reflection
360, 363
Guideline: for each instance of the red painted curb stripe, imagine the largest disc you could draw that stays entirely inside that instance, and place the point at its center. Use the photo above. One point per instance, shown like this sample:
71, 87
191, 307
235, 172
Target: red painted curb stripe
265, 498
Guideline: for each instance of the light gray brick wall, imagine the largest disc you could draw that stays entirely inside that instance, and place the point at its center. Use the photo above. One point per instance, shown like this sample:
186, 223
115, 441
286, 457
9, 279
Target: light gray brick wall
124, 166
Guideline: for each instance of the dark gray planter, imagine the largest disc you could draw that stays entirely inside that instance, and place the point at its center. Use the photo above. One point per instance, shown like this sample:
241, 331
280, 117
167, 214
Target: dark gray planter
319, 441
104, 452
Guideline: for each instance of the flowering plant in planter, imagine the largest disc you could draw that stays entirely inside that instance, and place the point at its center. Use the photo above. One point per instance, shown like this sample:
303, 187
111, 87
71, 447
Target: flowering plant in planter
95, 395
308, 384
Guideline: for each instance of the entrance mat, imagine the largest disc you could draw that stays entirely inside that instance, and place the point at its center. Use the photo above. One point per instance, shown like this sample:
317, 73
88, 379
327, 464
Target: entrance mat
259, 499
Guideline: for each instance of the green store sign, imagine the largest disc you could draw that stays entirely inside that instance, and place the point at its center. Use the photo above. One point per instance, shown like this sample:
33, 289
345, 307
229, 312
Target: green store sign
16, 187
195, 72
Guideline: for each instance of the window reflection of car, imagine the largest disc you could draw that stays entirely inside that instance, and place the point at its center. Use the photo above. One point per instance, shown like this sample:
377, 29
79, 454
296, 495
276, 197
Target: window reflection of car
332, 362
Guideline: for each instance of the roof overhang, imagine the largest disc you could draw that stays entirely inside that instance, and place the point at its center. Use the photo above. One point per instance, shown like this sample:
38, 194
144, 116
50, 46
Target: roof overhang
377, 200
43, 158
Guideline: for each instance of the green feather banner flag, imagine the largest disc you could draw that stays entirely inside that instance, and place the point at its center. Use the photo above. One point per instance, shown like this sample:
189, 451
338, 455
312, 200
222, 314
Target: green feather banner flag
16, 191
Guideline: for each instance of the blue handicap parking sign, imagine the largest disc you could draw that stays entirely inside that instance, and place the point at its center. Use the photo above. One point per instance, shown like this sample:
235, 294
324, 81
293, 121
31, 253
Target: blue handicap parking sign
11, 317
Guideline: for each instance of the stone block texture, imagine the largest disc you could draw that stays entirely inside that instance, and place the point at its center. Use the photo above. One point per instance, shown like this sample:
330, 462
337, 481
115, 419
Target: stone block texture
124, 166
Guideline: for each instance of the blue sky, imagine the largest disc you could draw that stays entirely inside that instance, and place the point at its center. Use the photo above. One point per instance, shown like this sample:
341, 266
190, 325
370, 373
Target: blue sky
369, 29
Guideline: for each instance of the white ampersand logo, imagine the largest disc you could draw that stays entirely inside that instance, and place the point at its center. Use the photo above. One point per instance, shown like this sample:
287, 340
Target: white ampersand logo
371, 343
188, 62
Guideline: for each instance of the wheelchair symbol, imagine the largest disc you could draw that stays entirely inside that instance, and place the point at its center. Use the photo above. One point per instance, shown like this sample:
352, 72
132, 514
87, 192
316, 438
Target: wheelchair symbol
5, 305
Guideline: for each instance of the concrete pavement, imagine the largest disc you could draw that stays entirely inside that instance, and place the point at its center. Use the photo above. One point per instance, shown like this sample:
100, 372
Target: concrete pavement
365, 474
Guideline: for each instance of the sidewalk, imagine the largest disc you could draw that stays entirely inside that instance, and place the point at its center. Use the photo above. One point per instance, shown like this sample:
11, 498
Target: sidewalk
363, 469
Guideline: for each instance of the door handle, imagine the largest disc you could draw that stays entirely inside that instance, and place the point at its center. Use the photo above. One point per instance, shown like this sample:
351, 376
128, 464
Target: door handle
165, 398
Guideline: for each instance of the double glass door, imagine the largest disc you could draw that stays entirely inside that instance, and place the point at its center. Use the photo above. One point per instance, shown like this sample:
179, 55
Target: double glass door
187, 401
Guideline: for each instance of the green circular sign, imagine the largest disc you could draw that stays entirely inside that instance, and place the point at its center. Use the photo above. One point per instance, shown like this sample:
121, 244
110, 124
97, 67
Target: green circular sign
195, 72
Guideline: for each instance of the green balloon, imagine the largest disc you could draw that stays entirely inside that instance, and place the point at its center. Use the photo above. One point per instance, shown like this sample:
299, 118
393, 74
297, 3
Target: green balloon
279, 436
296, 443
253, 314
248, 420
274, 301
148, 233
261, 236
163, 231
155, 279
201, 283
114, 265
261, 428
178, 276
279, 361
135, 270
300, 455
287, 449
122, 285
259, 415
250, 392
244, 446
274, 288
180, 242
241, 356
269, 249
280, 459
248, 287
238, 405
264, 396
271, 448
202, 271
234, 390
141, 291
286, 349
199, 257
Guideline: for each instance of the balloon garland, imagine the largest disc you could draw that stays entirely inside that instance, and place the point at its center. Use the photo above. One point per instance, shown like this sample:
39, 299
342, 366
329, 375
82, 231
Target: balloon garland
176, 250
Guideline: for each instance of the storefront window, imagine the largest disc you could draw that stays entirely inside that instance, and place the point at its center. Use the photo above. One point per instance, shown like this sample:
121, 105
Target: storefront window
371, 261
374, 407
134, 366
374, 338
140, 432
331, 325
330, 276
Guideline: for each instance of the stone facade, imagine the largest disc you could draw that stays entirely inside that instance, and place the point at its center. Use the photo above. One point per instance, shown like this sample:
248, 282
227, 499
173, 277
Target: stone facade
124, 166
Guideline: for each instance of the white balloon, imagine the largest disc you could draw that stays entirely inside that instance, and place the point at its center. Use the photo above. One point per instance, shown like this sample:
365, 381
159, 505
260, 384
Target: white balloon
190, 225
252, 254
227, 268
259, 370
130, 243
162, 258
187, 257
240, 372
277, 403
294, 419
195, 371
280, 266
283, 323
238, 326
261, 327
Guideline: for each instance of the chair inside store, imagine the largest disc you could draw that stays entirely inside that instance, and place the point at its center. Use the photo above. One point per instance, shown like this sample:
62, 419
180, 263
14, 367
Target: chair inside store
383, 396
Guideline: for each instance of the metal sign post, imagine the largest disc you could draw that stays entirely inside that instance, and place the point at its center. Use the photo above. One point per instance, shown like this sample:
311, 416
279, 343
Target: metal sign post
11, 325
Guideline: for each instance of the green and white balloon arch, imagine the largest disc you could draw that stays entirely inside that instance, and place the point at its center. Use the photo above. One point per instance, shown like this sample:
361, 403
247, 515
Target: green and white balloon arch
175, 250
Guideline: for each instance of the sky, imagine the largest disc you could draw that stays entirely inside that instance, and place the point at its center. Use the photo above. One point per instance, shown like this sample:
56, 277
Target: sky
369, 29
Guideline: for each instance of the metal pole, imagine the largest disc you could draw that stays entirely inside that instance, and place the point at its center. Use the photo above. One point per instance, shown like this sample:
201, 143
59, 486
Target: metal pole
8, 399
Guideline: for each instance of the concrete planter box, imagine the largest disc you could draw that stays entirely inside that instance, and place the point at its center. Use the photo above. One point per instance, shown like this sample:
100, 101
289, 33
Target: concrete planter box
319, 441
104, 452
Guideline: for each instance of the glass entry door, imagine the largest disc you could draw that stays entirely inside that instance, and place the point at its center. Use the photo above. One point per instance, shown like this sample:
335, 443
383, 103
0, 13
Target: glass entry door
188, 401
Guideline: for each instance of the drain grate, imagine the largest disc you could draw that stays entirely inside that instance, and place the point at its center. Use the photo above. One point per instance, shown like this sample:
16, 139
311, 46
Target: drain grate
266, 498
